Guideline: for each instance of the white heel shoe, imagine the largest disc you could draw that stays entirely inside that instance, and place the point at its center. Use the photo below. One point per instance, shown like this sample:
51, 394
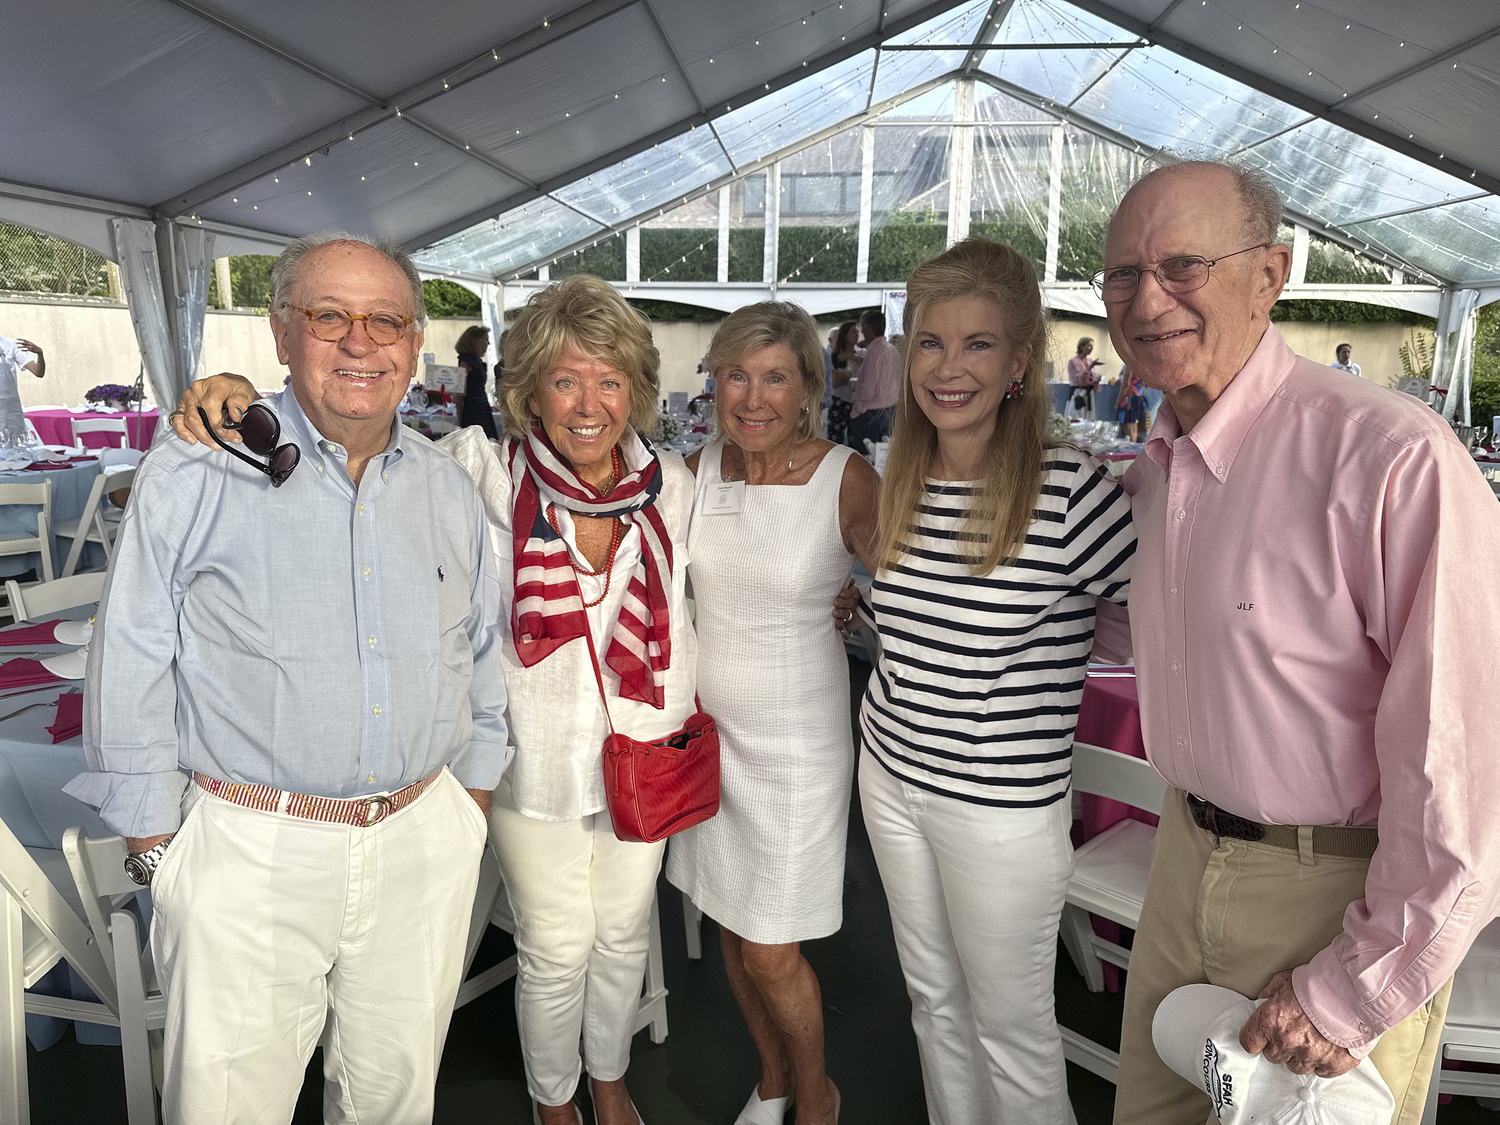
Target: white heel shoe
757, 1112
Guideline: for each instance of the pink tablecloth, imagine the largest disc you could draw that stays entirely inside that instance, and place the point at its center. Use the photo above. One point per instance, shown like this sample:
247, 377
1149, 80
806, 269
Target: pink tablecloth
1109, 716
55, 427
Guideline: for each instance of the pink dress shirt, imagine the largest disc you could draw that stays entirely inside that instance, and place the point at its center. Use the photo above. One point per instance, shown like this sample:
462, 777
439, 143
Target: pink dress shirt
1315, 619
879, 378
1081, 372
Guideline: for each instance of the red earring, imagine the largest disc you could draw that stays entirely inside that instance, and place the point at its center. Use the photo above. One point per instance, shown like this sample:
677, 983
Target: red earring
1014, 390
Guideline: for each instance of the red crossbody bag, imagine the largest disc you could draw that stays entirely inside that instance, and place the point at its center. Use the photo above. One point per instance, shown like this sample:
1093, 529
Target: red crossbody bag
656, 789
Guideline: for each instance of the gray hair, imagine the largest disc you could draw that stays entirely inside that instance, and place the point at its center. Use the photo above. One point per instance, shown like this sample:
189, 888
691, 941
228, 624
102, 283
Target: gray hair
1262, 202
284, 270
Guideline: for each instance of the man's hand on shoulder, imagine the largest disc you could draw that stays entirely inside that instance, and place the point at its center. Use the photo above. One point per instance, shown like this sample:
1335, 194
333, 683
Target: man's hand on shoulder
135, 845
1280, 1030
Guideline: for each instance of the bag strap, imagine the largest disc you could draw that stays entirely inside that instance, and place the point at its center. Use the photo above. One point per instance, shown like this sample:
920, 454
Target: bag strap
588, 635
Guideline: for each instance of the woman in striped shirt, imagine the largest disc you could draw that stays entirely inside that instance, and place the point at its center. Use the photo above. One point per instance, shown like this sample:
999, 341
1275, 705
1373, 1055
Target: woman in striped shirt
994, 545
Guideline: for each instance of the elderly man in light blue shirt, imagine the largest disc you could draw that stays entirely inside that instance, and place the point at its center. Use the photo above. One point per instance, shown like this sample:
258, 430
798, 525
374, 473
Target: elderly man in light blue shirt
290, 688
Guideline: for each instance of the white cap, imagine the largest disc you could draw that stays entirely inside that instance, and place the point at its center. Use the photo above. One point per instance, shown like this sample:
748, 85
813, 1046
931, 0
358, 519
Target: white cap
1197, 1033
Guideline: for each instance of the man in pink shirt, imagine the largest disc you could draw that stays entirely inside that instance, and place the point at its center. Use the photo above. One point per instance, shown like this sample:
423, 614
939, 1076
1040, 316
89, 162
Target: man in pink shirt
874, 403
1312, 617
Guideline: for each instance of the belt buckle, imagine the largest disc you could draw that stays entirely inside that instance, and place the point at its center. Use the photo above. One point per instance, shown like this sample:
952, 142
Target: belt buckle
375, 810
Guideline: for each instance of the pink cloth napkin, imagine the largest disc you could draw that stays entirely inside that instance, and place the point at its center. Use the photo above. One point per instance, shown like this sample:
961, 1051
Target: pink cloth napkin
69, 722
27, 635
21, 672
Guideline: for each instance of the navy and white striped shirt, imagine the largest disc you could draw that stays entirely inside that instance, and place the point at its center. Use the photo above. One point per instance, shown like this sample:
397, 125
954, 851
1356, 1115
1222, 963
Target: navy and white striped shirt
976, 692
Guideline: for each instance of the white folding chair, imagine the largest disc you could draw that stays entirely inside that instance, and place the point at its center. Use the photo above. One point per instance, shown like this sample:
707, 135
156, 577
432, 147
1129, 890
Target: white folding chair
83, 426
40, 926
54, 597
492, 907
1472, 1033
98, 870
20, 543
1109, 879
92, 525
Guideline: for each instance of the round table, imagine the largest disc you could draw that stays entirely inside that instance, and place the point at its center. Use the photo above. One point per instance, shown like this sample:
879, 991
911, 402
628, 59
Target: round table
70, 491
55, 426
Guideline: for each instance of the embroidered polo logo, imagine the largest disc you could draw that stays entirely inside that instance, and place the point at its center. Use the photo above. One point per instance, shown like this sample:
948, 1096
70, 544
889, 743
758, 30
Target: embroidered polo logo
440, 578
1245, 605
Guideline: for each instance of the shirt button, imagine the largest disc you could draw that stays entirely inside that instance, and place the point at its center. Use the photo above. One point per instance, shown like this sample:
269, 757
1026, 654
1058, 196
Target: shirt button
1220, 470
372, 641
371, 779
332, 448
1182, 513
1174, 589
1174, 663
366, 572
1363, 1026
361, 507
376, 710
385, 476
318, 467
1179, 741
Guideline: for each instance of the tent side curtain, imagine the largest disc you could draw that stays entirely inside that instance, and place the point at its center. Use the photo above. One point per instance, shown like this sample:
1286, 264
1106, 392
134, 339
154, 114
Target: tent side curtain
166, 309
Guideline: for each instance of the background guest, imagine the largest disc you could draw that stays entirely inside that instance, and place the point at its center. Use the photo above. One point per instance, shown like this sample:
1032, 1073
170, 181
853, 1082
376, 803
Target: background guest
772, 671
874, 403
994, 547
847, 360
474, 403
1083, 378
16, 356
1341, 360
1130, 408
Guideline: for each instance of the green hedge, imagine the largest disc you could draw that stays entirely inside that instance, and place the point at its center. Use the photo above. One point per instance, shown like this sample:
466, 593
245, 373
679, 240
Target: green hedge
903, 243
689, 253
747, 254
1351, 312
819, 253
607, 261
1484, 401
448, 298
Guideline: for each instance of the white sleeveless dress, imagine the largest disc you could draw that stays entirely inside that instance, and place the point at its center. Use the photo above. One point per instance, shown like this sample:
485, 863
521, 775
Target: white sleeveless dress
772, 672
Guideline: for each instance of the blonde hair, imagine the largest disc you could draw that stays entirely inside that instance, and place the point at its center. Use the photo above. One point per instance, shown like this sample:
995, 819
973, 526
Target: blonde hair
749, 329
585, 313
1006, 494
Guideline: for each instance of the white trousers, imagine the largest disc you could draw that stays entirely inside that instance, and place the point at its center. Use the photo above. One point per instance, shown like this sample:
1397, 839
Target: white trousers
975, 894
582, 904
271, 932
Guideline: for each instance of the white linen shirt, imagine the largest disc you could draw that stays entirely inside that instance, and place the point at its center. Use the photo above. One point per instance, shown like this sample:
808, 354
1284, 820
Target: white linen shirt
555, 715
13, 360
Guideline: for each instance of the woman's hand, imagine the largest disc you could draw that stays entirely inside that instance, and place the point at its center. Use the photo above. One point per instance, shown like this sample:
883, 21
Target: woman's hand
844, 615
215, 395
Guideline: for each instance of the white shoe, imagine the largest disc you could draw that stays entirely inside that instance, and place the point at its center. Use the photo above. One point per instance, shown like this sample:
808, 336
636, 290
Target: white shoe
757, 1112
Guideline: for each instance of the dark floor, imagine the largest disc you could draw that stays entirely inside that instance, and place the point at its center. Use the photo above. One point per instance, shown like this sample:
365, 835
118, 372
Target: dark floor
704, 1071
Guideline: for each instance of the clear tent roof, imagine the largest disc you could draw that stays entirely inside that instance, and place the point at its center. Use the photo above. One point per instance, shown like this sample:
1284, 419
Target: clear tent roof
1138, 97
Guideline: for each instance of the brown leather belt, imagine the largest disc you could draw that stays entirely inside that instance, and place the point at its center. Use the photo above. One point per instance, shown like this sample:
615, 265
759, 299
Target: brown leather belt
1327, 839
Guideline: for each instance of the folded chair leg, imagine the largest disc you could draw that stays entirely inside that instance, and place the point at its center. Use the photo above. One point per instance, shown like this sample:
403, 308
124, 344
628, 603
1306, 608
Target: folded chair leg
1077, 932
135, 1041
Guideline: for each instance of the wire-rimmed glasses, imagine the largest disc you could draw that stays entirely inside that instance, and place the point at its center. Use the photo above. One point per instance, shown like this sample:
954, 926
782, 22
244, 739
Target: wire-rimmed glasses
331, 324
260, 430
1181, 274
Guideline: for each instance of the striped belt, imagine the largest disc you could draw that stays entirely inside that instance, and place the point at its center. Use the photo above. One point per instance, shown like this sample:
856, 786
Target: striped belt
361, 812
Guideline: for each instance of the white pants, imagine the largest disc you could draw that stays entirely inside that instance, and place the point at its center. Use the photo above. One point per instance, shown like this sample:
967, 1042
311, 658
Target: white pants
976, 894
271, 932
582, 903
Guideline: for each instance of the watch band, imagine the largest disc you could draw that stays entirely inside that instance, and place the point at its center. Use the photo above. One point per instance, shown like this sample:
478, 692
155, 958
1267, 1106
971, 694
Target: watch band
142, 866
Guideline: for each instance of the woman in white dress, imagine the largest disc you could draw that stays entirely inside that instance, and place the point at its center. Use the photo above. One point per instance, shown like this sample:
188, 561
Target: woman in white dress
778, 517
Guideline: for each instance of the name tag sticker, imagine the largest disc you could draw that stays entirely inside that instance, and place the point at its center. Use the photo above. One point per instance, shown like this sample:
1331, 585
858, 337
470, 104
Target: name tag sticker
726, 498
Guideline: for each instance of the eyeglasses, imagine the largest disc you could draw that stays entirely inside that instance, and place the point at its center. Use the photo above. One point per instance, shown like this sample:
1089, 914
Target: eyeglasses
261, 430
1175, 275
332, 324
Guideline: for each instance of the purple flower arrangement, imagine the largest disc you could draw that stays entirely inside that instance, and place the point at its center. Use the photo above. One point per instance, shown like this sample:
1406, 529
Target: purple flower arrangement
112, 394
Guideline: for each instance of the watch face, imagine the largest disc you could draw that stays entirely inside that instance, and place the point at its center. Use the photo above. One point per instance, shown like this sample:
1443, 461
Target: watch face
138, 869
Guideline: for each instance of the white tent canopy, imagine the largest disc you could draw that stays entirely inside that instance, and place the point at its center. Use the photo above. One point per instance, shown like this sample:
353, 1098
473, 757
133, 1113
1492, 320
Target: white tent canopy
435, 123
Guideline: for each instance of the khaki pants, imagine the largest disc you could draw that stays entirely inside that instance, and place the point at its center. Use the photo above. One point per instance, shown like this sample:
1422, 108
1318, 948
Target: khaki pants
1235, 915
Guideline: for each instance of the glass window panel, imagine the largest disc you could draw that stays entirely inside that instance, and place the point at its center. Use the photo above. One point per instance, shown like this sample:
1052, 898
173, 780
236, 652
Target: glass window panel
909, 220
784, 117
683, 244
818, 235
649, 179
747, 228
1060, 75
1096, 174
521, 236
1460, 241
1012, 176
605, 260
1328, 263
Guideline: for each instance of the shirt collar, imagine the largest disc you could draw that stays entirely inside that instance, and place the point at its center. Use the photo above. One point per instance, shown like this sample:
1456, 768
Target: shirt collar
1222, 431
298, 428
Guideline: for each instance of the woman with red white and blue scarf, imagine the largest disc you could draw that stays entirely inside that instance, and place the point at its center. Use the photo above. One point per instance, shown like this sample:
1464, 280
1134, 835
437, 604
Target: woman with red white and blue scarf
588, 523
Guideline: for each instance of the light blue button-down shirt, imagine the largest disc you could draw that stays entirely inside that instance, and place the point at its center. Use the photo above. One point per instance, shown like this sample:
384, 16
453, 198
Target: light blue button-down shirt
321, 637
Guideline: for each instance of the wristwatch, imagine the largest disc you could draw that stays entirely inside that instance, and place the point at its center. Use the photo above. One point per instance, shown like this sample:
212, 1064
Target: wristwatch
142, 866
